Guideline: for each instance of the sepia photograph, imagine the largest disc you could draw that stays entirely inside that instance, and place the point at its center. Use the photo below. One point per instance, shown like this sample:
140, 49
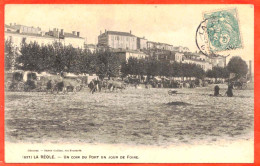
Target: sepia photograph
129, 83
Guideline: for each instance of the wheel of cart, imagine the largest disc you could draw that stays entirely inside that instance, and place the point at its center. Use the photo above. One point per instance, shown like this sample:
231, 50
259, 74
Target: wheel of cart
172, 92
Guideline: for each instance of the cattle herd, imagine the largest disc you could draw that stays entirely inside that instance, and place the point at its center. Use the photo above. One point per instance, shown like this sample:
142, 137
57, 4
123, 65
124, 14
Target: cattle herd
30, 81
95, 85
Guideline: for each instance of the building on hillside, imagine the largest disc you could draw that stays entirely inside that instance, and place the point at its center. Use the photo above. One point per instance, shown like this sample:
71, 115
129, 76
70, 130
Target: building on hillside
141, 43
204, 64
170, 56
178, 57
151, 45
183, 57
181, 49
159, 46
126, 54
66, 38
21, 33
117, 40
91, 47
186, 49
218, 61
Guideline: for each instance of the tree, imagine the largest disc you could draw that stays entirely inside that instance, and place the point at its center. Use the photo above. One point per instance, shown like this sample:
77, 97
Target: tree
31, 58
9, 54
217, 72
238, 66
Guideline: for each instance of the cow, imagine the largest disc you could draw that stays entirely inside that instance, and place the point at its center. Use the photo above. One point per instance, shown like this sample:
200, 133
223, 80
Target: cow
72, 84
64, 85
112, 85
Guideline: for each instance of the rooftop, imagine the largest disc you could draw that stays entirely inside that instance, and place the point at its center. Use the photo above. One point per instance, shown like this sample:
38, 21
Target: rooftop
71, 35
119, 33
31, 34
159, 43
17, 27
131, 51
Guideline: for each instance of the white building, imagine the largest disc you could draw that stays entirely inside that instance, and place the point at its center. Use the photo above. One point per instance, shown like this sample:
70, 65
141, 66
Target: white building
205, 65
218, 61
117, 40
125, 55
141, 43
20, 33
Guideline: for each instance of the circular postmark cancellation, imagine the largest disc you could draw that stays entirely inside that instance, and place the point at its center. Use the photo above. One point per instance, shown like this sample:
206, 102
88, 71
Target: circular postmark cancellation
219, 31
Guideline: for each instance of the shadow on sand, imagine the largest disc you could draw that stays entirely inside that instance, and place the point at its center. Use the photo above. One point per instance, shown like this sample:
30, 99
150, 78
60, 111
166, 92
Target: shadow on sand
178, 103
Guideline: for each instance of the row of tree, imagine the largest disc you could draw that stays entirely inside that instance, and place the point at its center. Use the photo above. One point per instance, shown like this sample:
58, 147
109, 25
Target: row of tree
153, 67
57, 58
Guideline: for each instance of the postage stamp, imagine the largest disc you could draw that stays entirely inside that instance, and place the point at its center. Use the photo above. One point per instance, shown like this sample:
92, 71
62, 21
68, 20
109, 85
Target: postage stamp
223, 30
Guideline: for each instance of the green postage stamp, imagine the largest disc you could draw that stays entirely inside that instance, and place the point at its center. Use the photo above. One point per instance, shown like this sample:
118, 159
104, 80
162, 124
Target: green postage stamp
223, 30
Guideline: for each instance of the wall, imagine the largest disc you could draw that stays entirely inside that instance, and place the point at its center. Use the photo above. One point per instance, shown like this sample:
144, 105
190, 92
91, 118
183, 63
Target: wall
141, 43
135, 55
18, 38
124, 42
203, 64
75, 42
178, 57
219, 61
103, 40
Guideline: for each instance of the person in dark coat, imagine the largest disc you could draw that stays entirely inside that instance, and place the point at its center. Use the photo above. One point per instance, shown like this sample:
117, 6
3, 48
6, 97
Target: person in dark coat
229, 90
216, 90
92, 86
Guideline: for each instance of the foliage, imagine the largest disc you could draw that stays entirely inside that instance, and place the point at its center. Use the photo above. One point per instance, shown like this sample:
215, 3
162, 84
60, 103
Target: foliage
9, 54
238, 66
153, 67
57, 58
218, 72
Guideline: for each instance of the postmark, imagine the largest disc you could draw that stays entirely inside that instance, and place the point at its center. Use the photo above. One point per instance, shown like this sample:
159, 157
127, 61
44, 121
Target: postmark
223, 30
202, 38
219, 31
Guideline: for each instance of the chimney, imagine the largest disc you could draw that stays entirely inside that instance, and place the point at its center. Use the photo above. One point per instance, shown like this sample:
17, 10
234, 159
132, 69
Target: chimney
78, 34
11, 24
62, 32
100, 32
58, 33
74, 33
130, 32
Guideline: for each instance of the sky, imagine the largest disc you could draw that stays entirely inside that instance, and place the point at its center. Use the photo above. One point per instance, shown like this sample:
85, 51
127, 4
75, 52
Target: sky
172, 24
